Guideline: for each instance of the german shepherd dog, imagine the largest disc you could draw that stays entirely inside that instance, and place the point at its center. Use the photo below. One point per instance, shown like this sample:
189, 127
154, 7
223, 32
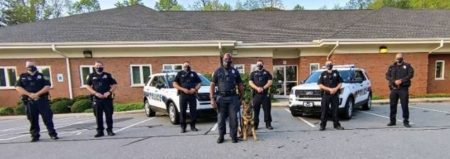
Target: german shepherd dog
248, 125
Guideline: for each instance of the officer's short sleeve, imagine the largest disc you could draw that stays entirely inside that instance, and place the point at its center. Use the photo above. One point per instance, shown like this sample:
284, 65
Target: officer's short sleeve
215, 77
178, 78
252, 76
112, 81
238, 77
339, 78
19, 82
320, 79
89, 80
197, 78
270, 75
46, 82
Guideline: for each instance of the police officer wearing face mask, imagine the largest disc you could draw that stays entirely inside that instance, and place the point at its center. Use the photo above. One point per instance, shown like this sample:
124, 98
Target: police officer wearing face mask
187, 83
228, 102
260, 81
34, 89
399, 76
101, 85
330, 83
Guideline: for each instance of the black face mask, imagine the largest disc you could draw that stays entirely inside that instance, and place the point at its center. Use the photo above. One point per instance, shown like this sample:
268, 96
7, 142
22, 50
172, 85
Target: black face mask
99, 69
227, 64
187, 68
330, 66
32, 69
260, 67
399, 60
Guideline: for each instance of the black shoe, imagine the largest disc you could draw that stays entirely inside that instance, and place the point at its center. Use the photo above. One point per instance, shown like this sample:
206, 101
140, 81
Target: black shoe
34, 139
183, 130
339, 127
111, 133
256, 126
234, 140
322, 128
54, 137
220, 140
391, 124
268, 126
407, 125
194, 129
99, 135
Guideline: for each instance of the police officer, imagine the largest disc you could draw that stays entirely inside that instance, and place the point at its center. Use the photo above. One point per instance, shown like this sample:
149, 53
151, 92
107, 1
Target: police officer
101, 85
399, 76
260, 81
34, 89
330, 83
228, 102
187, 83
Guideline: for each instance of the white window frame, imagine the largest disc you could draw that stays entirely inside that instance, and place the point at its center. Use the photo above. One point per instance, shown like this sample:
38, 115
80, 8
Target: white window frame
8, 85
172, 66
40, 67
311, 64
442, 70
243, 68
91, 70
253, 66
142, 84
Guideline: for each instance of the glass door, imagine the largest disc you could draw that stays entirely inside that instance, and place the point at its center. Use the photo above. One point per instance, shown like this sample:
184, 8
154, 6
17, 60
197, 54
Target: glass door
284, 78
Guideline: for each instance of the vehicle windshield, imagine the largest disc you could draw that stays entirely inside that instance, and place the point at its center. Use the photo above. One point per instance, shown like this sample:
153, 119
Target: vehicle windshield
314, 77
204, 80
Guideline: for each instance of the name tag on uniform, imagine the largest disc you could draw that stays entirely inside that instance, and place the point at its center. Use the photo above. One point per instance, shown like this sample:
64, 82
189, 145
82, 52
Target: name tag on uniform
404, 67
104, 76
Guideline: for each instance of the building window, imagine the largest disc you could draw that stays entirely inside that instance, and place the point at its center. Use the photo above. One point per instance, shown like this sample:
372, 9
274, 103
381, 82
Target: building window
8, 77
172, 67
85, 70
440, 67
46, 71
240, 68
313, 67
140, 74
253, 67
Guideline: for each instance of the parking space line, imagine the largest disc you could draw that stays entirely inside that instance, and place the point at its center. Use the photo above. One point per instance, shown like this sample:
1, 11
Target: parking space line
129, 126
302, 119
64, 121
382, 116
434, 110
214, 128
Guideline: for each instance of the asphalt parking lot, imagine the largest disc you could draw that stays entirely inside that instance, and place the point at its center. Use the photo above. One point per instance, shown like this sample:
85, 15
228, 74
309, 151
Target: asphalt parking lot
366, 136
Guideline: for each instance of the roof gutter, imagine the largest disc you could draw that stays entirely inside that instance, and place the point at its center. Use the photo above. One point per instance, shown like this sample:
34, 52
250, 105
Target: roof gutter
439, 47
69, 76
332, 50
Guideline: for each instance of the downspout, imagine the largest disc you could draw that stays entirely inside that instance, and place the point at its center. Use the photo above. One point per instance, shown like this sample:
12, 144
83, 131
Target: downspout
332, 50
439, 47
220, 52
69, 76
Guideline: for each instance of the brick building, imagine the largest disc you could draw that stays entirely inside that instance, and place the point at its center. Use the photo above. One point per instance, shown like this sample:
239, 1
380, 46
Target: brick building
136, 41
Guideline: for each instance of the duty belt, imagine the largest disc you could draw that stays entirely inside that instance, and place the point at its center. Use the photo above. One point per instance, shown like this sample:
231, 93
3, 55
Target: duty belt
227, 93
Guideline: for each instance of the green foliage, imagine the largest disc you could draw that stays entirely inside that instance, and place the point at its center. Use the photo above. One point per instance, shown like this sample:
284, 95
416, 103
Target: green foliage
211, 5
298, 7
6, 111
208, 76
24, 11
81, 106
267, 5
19, 110
247, 89
61, 105
129, 106
411, 4
357, 4
82, 97
168, 5
90, 110
84, 6
125, 3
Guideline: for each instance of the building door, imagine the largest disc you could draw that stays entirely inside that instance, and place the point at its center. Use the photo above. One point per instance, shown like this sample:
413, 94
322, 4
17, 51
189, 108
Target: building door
284, 78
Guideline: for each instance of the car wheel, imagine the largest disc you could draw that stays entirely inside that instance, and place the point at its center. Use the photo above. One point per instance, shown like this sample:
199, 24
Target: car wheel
173, 114
348, 111
148, 111
368, 105
296, 114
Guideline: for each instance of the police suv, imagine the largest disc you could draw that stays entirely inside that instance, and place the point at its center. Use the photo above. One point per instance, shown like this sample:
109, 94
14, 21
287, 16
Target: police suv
355, 92
161, 96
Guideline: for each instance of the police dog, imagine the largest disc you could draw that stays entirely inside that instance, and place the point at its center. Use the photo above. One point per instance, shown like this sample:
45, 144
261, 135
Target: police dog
247, 125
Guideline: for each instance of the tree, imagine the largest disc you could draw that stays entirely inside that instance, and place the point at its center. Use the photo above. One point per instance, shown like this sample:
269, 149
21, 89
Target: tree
377, 4
211, 5
338, 7
324, 7
298, 7
358, 4
25, 11
168, 5
125, 3
84, 6
263, 4
239, 6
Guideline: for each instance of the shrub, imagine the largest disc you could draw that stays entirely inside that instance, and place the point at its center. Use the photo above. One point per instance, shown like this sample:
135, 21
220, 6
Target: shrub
126, 107
81, 106
82, 97
60, 99
6, 111
61, 106
90, 110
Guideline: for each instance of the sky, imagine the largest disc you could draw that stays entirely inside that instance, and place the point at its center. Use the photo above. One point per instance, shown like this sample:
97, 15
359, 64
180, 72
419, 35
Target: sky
288, 4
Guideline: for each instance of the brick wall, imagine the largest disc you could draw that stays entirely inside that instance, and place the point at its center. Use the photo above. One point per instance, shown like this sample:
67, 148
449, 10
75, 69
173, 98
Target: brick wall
438, 86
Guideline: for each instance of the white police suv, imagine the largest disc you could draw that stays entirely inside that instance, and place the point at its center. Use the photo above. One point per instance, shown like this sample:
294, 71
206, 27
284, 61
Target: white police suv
355, 92
161, 96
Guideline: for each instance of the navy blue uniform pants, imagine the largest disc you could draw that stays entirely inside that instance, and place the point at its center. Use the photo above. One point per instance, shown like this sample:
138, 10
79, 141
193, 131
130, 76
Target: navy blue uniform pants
42, 107
403, 95
185, 100
228, 107
105, 106
264, 100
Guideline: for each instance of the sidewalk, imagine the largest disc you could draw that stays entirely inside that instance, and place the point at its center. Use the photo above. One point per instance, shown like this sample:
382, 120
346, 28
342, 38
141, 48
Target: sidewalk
285, 102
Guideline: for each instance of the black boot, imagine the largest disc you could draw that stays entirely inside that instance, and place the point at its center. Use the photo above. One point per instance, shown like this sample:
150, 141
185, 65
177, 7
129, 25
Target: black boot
193, 128
392, 123
111, 133
220, 140
99, 134
34, 139
269, 126
406, 124
256, 125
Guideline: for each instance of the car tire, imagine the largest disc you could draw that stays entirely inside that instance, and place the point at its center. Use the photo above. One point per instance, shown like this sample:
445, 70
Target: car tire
148, 110
174, 115
296, 114
368, 105
348, 110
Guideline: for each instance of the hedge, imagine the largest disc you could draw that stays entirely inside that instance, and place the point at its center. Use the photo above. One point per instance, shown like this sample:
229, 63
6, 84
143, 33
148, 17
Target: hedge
81, 105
